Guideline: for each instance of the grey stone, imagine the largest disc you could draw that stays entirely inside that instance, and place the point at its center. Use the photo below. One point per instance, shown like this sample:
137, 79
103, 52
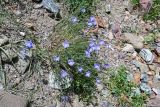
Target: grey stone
8, 55
144, 77
136, 41
10, 100
18, 13
3, 40
36, 6
147, 55
141, 66
50, 5
22, 33
128, 48
146, 88
22, 65
108, 8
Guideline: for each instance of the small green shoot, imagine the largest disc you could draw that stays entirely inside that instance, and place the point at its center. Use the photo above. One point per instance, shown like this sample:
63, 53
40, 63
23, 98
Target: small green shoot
123, 89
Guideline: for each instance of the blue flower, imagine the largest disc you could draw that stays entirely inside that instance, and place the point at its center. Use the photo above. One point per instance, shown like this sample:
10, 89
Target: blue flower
98, 81
82, 10
88, 54
97, 48
63, 73
80, 69
91, 49
65, 98
97, 66
88, 74
71, 62
90, 24
101, 42
29, 44
74, 19
92, 43
92, 21
56, 58
65, 44
106, 66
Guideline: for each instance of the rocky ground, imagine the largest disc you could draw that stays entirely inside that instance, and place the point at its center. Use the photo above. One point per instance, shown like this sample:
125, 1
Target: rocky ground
124, 32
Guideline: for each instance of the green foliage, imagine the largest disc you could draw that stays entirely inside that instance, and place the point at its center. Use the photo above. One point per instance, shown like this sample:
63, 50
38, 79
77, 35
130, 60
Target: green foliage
135, 2
149, 39
74, 5
71, 30
81, 85
3, 16
123, 89
154, 13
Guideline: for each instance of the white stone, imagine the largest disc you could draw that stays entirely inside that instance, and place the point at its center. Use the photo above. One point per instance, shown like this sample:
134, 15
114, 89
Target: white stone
22, 33
128, 48
147, 55
110, 36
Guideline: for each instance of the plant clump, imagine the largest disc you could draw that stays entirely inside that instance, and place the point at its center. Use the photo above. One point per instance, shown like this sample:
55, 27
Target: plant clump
127, 92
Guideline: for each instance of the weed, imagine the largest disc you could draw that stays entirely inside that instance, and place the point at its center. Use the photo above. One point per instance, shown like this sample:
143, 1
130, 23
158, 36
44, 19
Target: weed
154, 13
77, 4
149, 39
74, 62
3, 16
135, 2
123, 89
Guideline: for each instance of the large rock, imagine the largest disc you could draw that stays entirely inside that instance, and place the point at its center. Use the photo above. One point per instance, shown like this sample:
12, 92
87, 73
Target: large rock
136, 41
9, 55
10, 100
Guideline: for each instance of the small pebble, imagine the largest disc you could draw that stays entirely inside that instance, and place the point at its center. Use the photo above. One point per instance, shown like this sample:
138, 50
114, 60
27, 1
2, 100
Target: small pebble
134, 54
144, 78
128, 48
147, 55
22, 33
18, 13
110, 36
